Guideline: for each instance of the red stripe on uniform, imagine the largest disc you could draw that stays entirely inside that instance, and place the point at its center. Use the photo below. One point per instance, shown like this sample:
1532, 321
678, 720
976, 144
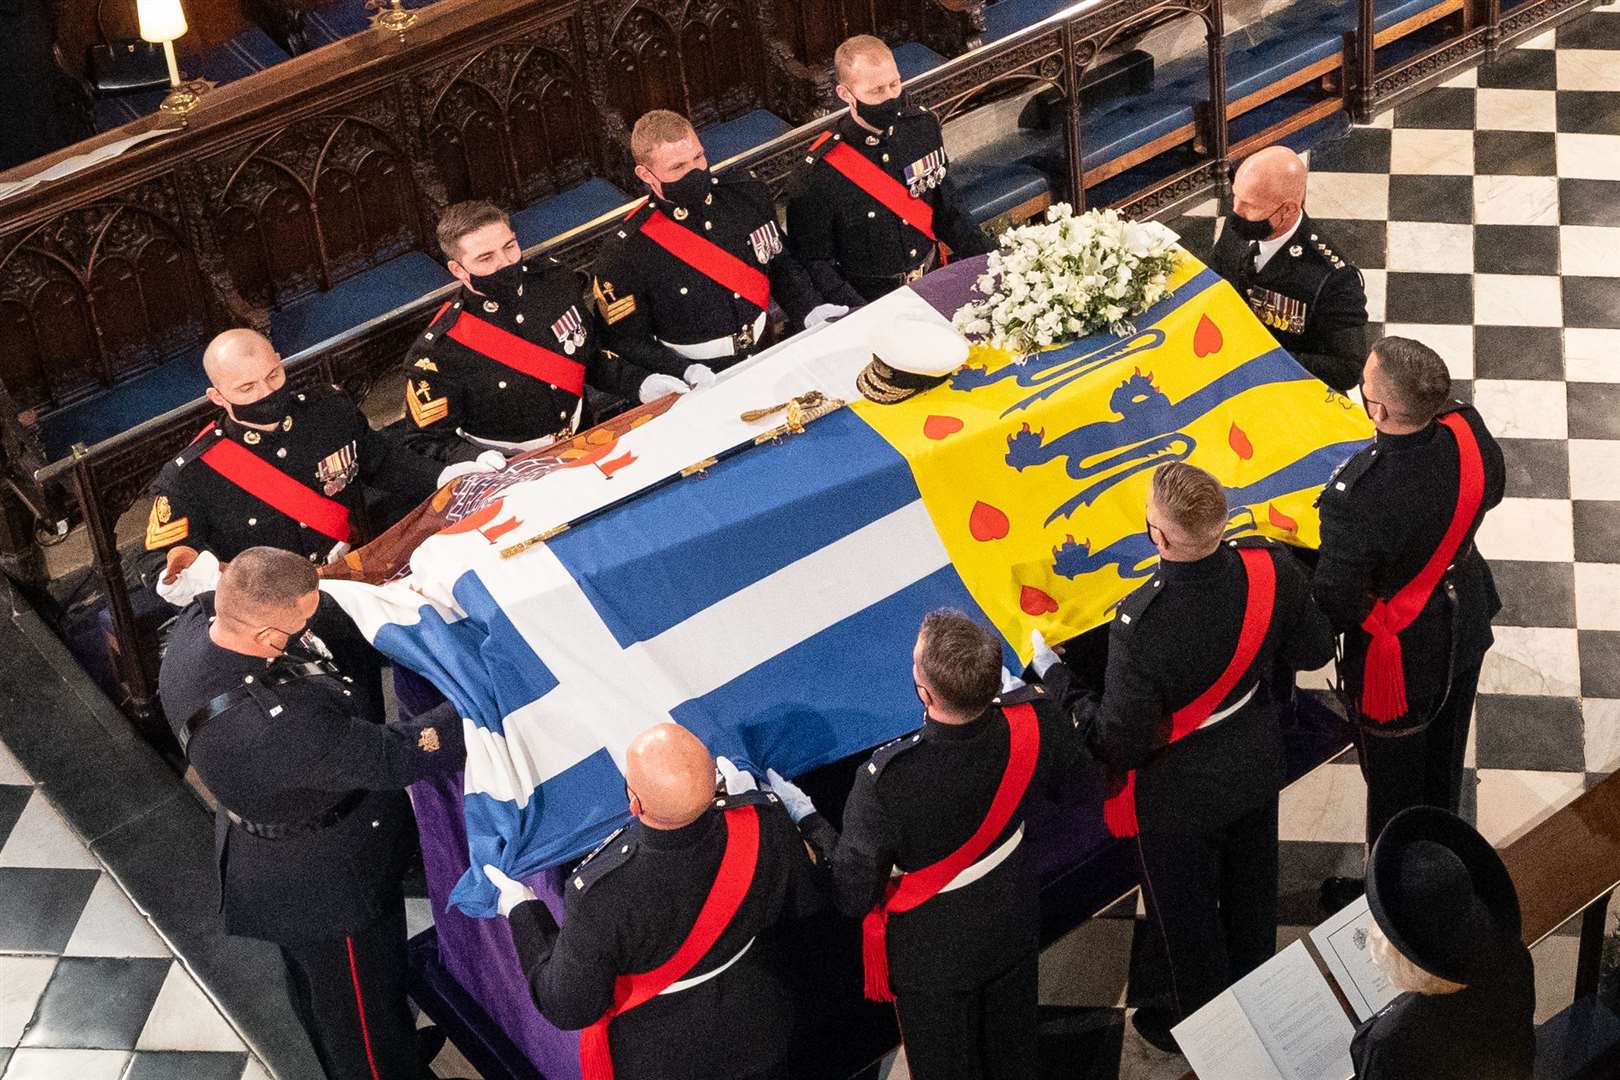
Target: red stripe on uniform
360, 1006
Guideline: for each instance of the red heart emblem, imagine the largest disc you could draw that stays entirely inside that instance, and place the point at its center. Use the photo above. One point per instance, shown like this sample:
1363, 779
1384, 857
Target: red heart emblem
1207, 338
1280, 519
938, 427
1035, 601
987, 523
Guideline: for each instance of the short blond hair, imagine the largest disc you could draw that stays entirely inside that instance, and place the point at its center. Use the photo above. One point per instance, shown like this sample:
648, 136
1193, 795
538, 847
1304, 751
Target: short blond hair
860, 47
461, 218
1193, 498
660, 127
263, 579
1403, 973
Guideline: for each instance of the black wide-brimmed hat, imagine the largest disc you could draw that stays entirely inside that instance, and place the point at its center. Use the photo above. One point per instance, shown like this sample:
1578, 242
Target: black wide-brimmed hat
908, 357
1441, 894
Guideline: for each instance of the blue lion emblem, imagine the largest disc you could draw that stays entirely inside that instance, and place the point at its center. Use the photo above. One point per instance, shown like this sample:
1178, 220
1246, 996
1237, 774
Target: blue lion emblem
1132, 555
1054, 369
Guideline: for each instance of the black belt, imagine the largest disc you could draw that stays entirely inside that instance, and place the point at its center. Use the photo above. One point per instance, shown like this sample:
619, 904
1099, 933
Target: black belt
281, 830
903, 277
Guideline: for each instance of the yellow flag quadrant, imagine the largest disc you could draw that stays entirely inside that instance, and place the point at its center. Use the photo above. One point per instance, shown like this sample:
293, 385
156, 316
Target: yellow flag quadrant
1036, 470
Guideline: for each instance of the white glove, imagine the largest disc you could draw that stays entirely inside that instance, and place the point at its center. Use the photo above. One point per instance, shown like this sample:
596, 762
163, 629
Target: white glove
794, 800
824, 313
735, 779
201, 576
698, 376
654, 387
1009, 681
513, 893
483, 463
492, 459
1044, 658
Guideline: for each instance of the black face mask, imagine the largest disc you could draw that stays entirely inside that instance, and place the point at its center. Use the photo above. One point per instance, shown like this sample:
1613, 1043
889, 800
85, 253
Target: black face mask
883, 114
689, 190
1247, 228
270, 409
505, 284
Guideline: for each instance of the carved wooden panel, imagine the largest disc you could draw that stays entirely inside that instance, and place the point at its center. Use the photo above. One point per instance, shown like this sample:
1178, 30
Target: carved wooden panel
700, 58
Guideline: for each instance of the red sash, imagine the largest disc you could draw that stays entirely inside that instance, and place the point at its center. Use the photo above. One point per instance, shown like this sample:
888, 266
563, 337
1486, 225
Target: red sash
726, 895
1119, 809
520, 354
1383, 679
920, 886
709, 259
860, 171
270, 485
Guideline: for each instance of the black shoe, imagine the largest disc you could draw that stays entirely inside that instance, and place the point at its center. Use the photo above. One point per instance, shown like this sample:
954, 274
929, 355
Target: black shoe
1154, 1024
1340, 892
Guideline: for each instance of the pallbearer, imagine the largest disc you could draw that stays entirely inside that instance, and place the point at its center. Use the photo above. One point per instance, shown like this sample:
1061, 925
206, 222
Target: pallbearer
1187, 725
932, 858
876, 206
663, 955
685, 282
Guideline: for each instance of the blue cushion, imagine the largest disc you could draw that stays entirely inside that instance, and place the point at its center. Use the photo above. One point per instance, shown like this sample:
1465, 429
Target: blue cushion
167, 386
565, 210
355, 300
992, 188
913, 58
1278, 56
1005, 17
1133, 122
732, 137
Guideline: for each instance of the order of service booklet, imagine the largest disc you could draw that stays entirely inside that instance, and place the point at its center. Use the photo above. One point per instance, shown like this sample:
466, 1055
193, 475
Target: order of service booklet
1344, 942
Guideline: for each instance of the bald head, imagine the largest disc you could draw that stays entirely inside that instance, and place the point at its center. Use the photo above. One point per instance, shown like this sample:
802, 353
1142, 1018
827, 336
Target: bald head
1270, 186
670, 774
243, 367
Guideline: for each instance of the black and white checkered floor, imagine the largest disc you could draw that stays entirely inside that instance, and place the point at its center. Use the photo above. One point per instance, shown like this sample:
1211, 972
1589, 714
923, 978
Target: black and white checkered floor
1486, 217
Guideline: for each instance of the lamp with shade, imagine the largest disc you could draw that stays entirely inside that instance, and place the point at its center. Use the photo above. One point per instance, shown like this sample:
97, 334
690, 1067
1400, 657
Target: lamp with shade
163, 22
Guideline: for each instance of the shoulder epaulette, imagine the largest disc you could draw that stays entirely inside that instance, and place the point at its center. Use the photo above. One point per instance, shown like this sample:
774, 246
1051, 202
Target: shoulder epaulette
1354, 468
198, 446
1132, 607
1322, 249
1027, 692
1253, 540
824, 142
758, 797
437, 327
889, 751
631, 223
612, 853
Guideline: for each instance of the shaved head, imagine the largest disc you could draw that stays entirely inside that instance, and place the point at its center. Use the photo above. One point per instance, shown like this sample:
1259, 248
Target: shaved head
1270, 187
670, 774
242, 367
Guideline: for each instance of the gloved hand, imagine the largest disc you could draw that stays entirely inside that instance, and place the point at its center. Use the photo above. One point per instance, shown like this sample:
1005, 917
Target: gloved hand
484, 462
794, 800
654, 387
187, 573
1009, 681
513, 893
735, 779
492, 460
698, 376
824, 313
1044, 658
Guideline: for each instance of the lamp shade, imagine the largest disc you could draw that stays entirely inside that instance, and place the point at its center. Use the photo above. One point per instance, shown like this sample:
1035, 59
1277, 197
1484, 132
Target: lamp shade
161, 20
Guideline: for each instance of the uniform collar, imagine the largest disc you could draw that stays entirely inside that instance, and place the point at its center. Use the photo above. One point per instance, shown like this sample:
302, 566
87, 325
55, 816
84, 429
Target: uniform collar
1268, 248
1209, 566
933, 729
1394, 444
674, 839
857, 135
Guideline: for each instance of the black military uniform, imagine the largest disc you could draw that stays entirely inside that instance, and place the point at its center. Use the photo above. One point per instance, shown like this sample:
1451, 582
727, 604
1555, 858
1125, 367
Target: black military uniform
663, 314
963, 963
1312, 301
323, 443
468, 389
1383, 514
1207, 803
854, 246
631, 905
313, 831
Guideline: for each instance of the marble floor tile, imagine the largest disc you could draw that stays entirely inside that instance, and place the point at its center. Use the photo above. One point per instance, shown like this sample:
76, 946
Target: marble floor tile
1518, 352
1515, 153
1360, 150
1540, 41
186, 1065
110, 926
1516, 200
1588, 202
1438, 108
1518, 300
1602, 720
256, 1071
96, 1002
1533, 530
1424, 297
1590, 250
1516, 249
31, 1063
1600, 665
42, 838
1089, 965
22, 981
11, 770
1430, 246
1535, 593
1454, 343
1329, 804
1589, 112
1431, 198
1528, 660
1449, 153
1591, 301
1513, 801
1373, 281
1348, 195
1594, 410
1536, 468
1520, 69
1385, 119
1597, 596
1465, 79
183, 1018
1538, 733
1525, 409
1588, 157
1594, 469
1592, 355
1597, 532
1516, 110
1585, 69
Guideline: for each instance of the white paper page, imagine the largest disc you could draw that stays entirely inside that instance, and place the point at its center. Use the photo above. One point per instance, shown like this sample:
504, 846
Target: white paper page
1345, 946
1220, 1044
1301, 1023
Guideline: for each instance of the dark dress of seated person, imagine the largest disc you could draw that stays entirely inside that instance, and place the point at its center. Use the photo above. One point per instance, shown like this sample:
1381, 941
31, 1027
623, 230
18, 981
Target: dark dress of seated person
1448, 922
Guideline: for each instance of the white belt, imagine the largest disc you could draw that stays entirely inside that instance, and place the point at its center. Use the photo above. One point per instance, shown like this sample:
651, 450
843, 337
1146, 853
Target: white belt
1214, 717
983, 866
687, 984
714, 348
